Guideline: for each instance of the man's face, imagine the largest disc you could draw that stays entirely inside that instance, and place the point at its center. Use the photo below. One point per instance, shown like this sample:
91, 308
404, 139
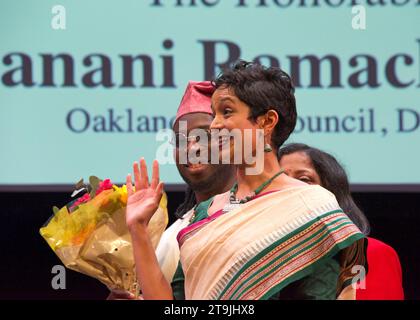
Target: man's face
200, 176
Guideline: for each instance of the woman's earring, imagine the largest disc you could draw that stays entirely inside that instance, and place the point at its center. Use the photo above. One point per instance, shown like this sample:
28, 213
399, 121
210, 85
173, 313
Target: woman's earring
267, 148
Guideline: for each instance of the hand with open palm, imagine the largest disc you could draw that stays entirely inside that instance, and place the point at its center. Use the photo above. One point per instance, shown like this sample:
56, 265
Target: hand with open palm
142, 202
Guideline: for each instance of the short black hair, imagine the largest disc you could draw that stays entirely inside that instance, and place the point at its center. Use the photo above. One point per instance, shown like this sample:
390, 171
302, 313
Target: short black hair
263, 89
333, 178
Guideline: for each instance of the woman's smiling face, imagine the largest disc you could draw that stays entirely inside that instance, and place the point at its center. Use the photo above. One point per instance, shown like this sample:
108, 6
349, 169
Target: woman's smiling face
231, 113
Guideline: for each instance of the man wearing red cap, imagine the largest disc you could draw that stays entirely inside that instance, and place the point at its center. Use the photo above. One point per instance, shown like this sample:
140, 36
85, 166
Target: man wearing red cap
194, 112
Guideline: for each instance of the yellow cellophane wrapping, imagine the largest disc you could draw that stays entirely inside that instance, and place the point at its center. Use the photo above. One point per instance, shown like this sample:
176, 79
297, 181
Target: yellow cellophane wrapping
94, 238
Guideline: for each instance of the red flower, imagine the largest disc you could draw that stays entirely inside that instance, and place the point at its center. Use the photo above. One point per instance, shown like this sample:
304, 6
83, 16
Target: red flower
83, 199
104, 185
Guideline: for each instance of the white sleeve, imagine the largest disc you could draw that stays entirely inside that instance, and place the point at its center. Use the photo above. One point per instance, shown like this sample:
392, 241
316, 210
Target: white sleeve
167, 251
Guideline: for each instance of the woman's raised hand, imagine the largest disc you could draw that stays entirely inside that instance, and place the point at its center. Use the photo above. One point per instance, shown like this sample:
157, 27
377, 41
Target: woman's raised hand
144, 201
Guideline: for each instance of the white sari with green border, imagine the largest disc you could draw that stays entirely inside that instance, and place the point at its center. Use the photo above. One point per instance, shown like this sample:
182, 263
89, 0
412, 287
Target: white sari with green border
256, 250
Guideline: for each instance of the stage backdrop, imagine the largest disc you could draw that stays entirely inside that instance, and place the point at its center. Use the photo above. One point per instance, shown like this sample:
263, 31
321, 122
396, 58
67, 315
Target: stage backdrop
87, 85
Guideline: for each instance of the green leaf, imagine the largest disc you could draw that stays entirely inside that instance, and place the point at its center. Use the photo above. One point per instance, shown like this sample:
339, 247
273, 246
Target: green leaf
94, 183
80, 184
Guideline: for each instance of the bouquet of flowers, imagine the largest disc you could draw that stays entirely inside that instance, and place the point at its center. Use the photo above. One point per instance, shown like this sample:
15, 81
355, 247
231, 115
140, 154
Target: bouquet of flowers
90, 235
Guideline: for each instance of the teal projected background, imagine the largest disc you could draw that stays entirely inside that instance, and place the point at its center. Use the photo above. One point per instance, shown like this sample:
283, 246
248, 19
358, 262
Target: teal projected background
94, 110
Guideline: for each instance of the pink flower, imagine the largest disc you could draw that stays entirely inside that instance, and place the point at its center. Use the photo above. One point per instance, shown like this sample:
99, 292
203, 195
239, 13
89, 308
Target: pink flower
83, 199
104, 185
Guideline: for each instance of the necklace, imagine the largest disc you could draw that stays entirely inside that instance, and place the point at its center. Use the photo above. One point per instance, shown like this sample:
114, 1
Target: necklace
234, 203
193, 214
